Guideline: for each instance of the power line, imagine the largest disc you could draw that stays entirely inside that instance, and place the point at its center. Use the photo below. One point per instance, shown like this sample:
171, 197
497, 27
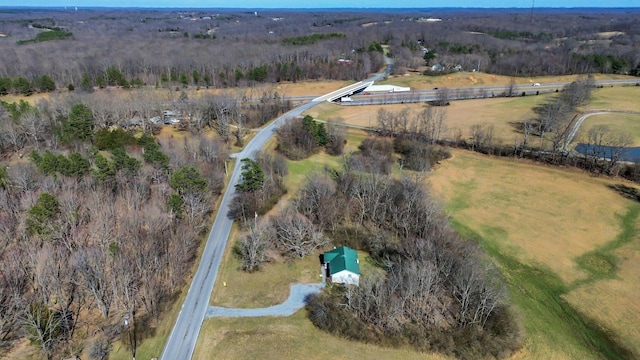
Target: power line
531, 15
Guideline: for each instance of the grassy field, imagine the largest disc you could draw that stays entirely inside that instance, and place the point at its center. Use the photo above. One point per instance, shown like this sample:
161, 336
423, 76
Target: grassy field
542, 206
32, 99
505, 114
566, 243
465, 79
262, 288
617, 123
616, 98
280, 338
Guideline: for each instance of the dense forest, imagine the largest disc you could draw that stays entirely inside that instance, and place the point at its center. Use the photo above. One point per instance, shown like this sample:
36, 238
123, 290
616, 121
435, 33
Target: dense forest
97, 225
100, 218
48, 49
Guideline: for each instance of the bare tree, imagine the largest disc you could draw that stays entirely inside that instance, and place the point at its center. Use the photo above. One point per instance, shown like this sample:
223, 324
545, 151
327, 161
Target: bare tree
196, 206
219, 114
605, 149
253, 246
12, 134
295, 235
481, 135
619, 143
430, 123
43, 325
510, 91
443, 95
386, 121
34, 127
93, 269
527, 128
337, 137
13, 285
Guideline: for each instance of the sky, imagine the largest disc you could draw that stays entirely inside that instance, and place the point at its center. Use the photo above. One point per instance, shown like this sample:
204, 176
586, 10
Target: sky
302, 4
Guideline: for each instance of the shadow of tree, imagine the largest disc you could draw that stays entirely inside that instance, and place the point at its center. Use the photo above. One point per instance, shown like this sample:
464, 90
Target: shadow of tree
628, 192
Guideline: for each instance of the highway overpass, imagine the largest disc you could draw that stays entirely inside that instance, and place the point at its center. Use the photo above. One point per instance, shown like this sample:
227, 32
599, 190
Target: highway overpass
345, 91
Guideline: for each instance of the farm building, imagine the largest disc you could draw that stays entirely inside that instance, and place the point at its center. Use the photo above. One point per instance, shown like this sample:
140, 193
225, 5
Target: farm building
341, 265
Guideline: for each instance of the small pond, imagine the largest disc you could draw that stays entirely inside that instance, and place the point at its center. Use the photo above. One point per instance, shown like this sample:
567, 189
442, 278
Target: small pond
631, 154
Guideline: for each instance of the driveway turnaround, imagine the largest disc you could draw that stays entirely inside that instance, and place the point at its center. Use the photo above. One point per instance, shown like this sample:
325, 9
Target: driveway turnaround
294, 303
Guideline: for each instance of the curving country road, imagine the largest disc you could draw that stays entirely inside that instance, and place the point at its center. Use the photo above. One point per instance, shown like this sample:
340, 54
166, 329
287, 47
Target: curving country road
183, 337
576, 126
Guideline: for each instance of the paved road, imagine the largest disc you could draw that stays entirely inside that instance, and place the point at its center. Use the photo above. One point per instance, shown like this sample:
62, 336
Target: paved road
182, 340
460, 93
295, 302
577, 125
477, 92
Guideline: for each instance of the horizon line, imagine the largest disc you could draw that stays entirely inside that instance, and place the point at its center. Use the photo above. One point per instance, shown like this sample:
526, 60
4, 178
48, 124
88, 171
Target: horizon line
313, 8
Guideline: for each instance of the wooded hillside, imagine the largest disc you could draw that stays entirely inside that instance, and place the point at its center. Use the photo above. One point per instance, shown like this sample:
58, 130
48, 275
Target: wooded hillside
88, 48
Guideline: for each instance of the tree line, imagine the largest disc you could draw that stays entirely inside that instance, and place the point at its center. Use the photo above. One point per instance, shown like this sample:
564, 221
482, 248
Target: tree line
26, 125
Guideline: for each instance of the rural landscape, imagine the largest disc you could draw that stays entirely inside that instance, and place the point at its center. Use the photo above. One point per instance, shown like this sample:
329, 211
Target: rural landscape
336, 183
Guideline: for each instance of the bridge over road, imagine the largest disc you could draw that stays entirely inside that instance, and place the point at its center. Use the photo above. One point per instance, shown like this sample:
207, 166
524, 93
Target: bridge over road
345, 91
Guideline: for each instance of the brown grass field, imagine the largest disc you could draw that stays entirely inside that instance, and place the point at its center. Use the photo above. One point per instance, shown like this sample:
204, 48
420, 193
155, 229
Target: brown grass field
465, 79
541, 215
615, 98
547, 217
621, 123
267, 287
280, 338
615, 303
505, 114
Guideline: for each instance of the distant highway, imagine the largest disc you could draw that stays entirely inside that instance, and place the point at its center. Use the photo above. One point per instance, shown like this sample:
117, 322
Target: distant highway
473, 92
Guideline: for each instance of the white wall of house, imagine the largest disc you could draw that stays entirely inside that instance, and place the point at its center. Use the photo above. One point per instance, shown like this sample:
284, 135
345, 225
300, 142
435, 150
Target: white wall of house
345, 277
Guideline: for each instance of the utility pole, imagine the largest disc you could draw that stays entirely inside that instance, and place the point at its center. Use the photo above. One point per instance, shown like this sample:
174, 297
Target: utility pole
531, 15
132, 341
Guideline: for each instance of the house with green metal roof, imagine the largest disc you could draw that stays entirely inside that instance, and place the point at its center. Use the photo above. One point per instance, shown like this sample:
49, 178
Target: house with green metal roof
341, 265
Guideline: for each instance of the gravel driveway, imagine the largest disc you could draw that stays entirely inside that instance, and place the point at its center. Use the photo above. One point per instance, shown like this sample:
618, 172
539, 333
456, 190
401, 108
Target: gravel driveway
294, 303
